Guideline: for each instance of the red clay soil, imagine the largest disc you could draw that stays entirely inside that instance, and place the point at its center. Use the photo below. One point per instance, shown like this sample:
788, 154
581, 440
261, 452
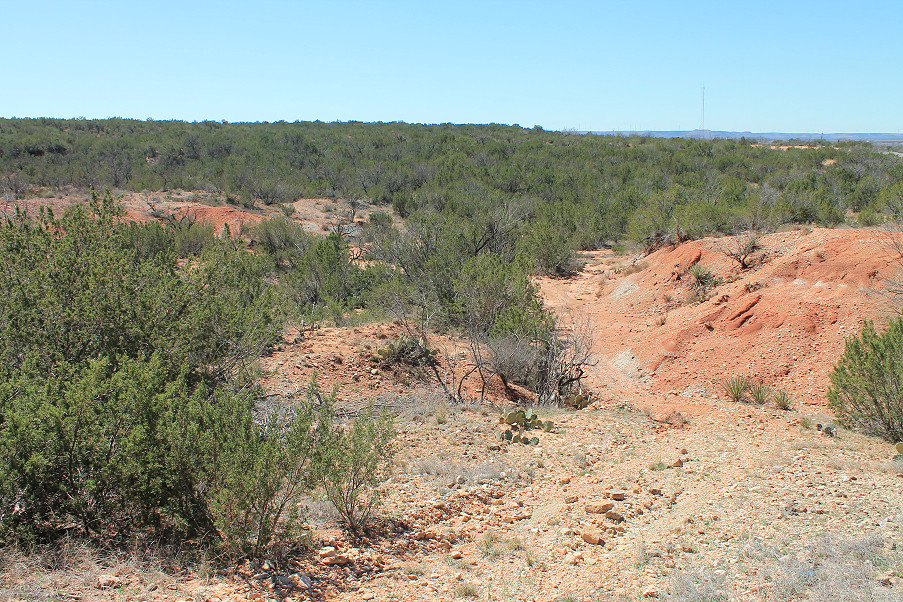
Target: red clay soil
782, 322
315, 215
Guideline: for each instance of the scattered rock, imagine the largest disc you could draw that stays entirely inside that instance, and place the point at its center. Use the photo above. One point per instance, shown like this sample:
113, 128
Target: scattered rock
617, 494
592, 536
655, 491
330, 557
614, 515
570, 499
108, 582
651, 592
677, 463
522, 515
599, 508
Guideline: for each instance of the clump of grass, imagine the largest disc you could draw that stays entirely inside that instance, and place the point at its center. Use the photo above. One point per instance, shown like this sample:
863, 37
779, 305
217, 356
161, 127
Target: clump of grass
701, 277
736, 388
514, 544
467, 590
704, 585
488, 545
413, 569
760, 392
783, 400
693, 297
832, 568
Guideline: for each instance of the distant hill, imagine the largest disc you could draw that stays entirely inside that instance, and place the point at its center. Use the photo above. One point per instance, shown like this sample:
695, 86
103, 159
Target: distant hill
758, 136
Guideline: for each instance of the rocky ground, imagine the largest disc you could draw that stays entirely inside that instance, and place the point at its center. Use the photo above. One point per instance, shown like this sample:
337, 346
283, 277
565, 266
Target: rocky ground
661, 489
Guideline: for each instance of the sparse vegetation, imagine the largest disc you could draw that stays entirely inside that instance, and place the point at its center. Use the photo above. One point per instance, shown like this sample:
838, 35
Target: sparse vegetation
522, 421
783, 400
759, 392
736, 388
353, 463
701, 282
129, 402
741, 248
407, 351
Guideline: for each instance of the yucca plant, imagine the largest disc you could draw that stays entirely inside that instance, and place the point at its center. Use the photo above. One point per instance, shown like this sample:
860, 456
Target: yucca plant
760, 392
701, 276
783, 400
736, 388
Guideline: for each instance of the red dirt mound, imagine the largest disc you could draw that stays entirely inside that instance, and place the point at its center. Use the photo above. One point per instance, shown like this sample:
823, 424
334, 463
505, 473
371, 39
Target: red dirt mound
783, 321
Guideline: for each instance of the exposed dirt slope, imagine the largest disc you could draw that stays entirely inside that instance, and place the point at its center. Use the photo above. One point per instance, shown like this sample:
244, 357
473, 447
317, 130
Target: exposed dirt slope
783, 322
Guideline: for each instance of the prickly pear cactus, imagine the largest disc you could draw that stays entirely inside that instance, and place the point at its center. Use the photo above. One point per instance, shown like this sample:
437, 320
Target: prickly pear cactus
521, 421
578, 401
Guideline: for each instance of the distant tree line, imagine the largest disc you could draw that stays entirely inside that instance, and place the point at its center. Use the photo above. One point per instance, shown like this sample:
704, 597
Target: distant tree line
581, 191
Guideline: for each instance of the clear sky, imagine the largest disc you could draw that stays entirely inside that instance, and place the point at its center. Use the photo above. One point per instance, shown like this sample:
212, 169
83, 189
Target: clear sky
788, 66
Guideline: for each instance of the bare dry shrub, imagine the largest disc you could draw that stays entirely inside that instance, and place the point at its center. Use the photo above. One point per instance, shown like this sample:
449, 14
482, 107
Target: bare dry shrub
741, 248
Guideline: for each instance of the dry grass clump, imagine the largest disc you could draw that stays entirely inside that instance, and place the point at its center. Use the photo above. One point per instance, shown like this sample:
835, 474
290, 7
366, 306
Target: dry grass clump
70, 569
760, 392
467, 590
420, 407
489, 545
828, 568
701, 586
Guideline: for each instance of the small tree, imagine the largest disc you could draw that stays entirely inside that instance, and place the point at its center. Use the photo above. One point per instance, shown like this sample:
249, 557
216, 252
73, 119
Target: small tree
353, 462
867, 383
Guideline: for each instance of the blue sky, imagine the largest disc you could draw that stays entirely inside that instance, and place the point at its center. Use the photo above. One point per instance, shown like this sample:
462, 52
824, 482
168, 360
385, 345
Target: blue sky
790, 66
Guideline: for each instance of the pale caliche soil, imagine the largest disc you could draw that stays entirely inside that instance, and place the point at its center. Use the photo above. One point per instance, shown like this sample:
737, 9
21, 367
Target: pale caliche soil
707, 497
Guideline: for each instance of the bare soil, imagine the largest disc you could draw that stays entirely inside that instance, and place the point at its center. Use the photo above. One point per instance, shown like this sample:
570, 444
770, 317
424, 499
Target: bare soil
316, 215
